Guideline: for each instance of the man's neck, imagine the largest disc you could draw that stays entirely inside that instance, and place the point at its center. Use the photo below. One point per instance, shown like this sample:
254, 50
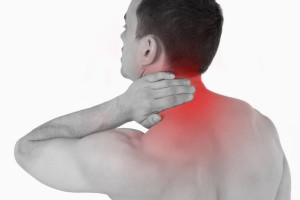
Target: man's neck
195, 78
186, 116
200, 95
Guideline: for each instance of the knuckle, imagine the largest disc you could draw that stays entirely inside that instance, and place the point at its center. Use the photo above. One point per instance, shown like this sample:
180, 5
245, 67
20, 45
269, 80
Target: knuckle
184, 98
167, 83
182, 89
172, 100
173, 90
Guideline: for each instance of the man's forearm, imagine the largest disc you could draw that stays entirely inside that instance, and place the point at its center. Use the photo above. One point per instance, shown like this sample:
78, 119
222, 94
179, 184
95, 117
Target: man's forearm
106, 116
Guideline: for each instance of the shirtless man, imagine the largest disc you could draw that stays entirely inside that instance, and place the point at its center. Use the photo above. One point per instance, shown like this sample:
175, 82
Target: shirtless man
212, 147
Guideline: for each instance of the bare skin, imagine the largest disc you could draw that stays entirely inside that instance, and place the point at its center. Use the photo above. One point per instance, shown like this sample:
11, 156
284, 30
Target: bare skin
211, 148
232, 154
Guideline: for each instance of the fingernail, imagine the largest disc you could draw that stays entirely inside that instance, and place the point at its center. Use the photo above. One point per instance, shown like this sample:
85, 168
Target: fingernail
191, 97
156, 118
188, 82
172, 75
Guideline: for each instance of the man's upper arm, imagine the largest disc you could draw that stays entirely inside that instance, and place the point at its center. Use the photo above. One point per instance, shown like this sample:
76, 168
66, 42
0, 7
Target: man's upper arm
284, 189
96, 163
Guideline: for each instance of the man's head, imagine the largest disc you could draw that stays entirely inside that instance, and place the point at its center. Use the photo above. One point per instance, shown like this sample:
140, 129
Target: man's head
178, 35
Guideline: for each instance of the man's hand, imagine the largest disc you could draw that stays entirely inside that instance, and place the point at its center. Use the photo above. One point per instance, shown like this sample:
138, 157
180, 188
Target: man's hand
153, 93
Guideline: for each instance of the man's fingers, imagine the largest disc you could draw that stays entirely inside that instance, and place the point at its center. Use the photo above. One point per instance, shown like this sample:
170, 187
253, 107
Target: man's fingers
174, 90
151, 121
159, 76
172, 101
169, 83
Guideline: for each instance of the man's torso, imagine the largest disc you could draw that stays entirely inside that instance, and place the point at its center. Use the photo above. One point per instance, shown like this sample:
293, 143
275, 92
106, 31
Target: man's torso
231, 154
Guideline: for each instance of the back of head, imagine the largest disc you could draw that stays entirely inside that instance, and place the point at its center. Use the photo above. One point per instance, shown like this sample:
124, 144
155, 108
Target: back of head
190, 30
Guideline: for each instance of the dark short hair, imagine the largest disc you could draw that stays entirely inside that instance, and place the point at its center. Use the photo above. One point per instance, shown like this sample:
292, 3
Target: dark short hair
190, 30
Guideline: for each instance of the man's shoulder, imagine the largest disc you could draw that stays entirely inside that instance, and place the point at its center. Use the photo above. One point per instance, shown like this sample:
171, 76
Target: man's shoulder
252, 119
236, 107
241, 109
267, 126
256, 117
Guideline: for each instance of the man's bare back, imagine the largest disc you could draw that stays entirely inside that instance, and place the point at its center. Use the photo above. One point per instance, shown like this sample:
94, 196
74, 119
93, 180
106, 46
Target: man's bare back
232, 154
211, 147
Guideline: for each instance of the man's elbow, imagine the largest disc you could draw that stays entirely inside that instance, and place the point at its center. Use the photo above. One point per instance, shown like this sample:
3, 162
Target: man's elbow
22, 152
17, 152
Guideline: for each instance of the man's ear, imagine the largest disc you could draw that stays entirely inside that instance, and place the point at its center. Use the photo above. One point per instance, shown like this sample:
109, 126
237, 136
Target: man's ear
147, 51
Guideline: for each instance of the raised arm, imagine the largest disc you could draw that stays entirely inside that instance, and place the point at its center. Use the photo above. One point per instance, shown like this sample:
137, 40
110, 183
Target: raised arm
68, 152
93, 164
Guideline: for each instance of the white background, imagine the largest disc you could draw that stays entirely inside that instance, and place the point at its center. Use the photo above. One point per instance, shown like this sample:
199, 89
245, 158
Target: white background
61, 56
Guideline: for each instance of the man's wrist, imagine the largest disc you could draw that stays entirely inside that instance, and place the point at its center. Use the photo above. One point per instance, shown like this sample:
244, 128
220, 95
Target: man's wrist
124, 107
